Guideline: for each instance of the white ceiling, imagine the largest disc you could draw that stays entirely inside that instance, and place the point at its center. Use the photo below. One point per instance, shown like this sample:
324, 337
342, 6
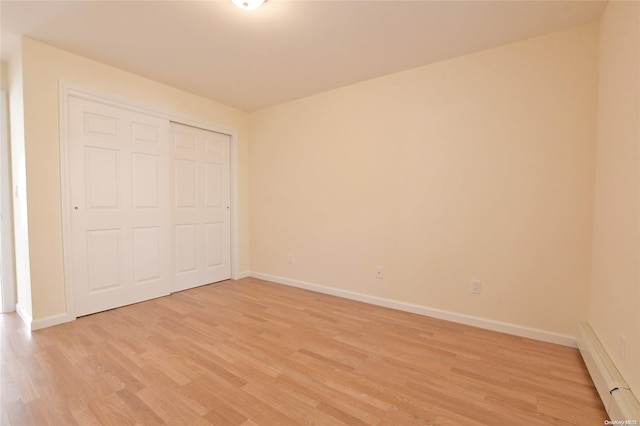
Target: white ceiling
286, 49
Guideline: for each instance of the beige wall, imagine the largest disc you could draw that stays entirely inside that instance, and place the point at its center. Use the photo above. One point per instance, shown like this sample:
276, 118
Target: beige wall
19, 181
44, 66
4, 85
479, 167
615, 288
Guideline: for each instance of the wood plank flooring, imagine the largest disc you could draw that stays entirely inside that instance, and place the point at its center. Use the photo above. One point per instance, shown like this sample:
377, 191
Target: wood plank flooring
251, 352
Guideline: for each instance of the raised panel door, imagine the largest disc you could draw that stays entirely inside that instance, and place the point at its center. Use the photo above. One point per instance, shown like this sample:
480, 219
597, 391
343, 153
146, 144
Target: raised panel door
119, 183
201, 206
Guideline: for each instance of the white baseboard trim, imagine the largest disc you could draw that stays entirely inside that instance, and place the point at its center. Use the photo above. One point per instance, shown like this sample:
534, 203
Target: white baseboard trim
243, 274
26, 318
49, 321
503, 327
33, 325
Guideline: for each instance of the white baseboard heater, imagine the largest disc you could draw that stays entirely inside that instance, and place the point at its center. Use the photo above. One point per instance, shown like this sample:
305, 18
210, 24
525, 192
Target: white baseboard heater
618, 400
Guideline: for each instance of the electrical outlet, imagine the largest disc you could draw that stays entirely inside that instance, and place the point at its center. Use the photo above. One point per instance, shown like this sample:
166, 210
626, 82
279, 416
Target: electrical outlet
379, 272
291, 259
622, 346
475, 286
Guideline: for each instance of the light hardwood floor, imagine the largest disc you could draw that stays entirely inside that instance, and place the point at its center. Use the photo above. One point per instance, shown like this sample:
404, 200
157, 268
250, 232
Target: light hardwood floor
250, 352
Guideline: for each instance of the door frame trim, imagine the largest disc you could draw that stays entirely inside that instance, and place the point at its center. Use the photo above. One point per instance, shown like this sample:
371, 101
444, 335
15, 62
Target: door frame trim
67, 90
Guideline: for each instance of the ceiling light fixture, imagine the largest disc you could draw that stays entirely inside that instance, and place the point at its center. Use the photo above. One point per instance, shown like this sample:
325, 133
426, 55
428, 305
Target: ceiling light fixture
248, 4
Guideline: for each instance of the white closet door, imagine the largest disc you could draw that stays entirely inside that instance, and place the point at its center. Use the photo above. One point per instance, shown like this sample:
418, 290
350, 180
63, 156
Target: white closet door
201, 215
119, 170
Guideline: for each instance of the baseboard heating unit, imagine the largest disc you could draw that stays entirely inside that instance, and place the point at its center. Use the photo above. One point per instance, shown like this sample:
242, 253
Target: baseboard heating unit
620, 403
